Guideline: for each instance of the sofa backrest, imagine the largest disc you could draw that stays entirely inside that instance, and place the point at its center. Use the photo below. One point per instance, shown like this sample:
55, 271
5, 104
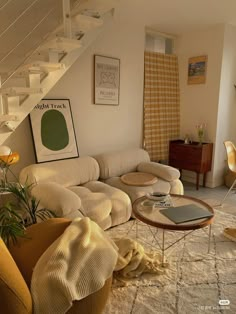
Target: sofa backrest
66, 172
115, 164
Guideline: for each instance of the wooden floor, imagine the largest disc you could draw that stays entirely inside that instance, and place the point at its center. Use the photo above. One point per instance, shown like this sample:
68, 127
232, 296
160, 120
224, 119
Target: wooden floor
216, 194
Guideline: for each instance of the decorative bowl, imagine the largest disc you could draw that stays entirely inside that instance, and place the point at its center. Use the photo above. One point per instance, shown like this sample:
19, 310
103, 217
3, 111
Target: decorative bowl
157, 196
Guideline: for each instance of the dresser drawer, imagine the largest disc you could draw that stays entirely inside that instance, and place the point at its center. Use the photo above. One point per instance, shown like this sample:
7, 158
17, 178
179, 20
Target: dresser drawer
193, 157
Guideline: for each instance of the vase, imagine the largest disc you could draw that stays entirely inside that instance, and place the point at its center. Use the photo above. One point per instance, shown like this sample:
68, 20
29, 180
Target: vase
200, 136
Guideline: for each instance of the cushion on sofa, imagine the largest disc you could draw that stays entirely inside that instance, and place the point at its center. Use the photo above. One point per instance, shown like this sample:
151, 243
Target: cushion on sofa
135, 192
161, 171
101, 201
57, 198
138, 178
14, 293
121, 204
68, 172
117, 163
96, 206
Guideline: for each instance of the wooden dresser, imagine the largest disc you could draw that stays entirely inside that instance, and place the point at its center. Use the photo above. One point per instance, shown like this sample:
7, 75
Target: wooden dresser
193, 157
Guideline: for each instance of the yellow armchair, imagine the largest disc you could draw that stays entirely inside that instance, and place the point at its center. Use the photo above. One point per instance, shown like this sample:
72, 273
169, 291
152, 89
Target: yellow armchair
16, 268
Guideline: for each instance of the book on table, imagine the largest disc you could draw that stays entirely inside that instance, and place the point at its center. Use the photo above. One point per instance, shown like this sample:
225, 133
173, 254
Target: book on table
185, 213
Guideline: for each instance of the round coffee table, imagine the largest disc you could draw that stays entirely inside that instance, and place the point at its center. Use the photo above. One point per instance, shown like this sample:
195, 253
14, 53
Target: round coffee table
152, 216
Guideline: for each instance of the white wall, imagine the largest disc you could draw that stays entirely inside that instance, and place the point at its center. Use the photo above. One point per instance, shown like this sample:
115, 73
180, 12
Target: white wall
105, 128
199, 103
99, 128
226, 126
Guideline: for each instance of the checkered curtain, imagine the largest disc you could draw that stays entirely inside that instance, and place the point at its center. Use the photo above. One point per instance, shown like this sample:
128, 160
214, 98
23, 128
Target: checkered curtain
161, 103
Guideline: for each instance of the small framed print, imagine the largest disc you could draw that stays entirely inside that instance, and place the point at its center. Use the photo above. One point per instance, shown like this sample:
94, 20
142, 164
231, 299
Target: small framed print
197, 70
106, 80
53, 130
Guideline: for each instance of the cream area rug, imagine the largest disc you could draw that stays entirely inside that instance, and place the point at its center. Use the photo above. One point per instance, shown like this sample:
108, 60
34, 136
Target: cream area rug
194, 282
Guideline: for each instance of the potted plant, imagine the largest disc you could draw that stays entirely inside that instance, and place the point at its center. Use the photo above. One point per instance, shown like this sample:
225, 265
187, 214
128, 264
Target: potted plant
23, 211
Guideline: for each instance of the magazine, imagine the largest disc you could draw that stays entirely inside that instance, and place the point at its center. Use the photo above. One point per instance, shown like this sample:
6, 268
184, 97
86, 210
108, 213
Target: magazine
167, 202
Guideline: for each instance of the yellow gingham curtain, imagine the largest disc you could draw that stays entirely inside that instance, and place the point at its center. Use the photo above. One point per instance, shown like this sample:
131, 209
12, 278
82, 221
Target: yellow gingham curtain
161, 103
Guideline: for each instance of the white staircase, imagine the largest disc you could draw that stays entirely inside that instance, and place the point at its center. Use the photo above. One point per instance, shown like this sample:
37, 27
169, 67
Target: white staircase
34, 55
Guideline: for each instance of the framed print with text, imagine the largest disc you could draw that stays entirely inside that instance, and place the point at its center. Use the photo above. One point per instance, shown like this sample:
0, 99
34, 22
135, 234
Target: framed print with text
53, 130
106, 80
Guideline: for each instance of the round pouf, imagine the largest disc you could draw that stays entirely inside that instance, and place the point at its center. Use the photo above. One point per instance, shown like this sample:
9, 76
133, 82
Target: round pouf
138, 178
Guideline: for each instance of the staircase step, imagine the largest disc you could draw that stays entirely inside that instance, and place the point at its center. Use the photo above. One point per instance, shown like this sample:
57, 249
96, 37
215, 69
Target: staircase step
18, 91
101, 6
38, 67
80, 25
60, 44
8, 117
85, 22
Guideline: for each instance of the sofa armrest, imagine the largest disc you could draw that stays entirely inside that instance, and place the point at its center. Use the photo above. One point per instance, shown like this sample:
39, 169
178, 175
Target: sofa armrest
57, 198
162, 171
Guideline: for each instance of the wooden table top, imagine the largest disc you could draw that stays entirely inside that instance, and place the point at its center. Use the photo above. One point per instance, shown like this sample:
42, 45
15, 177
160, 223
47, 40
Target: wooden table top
152, 216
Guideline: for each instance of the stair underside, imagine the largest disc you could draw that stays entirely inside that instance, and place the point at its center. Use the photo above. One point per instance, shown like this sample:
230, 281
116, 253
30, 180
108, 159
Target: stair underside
54, 45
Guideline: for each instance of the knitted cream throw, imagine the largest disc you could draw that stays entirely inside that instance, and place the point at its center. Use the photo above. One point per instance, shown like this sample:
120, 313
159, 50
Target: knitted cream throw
134, 261
77, 264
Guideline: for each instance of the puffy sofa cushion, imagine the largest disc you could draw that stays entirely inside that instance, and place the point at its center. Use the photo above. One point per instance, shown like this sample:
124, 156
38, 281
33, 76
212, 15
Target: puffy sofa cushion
161, 171
14, 293
103, 203
55, 197
62, 184
97, 206
115, 164
68, 172
135, 192
121, 205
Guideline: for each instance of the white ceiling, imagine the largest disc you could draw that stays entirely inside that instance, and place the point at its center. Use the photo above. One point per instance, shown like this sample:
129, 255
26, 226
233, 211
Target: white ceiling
178, 16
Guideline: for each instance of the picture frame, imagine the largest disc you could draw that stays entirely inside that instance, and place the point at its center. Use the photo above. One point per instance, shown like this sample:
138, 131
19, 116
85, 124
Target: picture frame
106, 80
197, 67
53, 130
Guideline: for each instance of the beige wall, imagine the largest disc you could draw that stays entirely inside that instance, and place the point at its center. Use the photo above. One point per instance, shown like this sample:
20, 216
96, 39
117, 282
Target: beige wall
226, 126
199, 103
99, 128
105, 128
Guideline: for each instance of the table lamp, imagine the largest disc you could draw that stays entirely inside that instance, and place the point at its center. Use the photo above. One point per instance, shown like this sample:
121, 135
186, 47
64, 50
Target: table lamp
7, 158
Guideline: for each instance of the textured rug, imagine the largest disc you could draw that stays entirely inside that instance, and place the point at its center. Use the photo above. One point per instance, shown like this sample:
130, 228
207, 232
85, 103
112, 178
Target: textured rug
195, 282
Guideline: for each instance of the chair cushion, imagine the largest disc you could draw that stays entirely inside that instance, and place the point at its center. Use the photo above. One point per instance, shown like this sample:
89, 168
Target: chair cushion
15, 297
138, 178
38, 238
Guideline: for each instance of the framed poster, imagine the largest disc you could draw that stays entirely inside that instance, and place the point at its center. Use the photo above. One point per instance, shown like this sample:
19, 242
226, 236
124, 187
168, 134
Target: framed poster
197, 70
53, 130
106, 80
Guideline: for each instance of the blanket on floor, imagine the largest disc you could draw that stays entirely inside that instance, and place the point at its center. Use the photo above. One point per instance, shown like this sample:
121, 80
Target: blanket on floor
134, 261
77, 264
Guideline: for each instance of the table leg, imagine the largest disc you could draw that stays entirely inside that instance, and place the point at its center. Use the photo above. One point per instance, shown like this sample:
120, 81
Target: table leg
163, 248
197, 183
204, 179
209, 239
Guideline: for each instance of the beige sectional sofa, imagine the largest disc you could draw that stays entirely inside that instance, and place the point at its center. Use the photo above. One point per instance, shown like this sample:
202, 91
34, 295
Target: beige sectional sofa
92, 187
115, 164
71, 189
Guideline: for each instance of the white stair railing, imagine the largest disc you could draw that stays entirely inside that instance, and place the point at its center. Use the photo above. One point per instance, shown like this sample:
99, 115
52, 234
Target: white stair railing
39, 71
